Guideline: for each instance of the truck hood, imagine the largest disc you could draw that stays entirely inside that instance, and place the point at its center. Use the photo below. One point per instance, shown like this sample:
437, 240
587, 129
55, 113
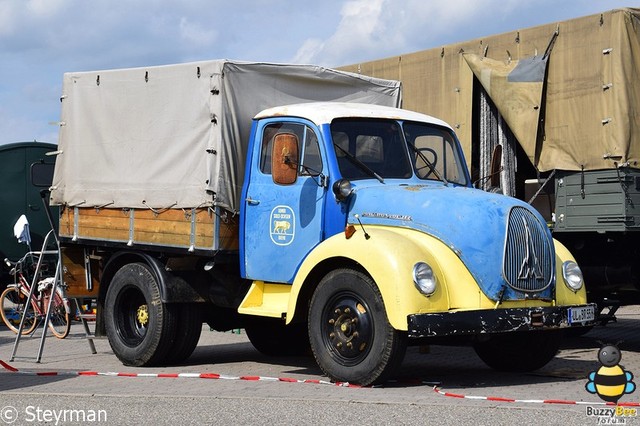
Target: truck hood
473, 223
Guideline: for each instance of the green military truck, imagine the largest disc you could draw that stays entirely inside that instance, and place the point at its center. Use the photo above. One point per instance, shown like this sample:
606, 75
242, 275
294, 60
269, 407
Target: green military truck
561, 104
18, 197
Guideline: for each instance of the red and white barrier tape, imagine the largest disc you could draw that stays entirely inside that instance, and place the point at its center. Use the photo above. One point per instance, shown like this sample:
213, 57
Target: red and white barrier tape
436, 388
173, 376
533, 401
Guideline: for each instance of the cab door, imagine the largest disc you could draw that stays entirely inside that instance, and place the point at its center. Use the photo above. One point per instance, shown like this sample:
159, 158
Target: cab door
282, 222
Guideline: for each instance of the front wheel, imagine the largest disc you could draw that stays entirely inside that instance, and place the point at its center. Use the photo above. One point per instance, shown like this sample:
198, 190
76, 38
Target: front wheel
141, 329
13, 306
350, 335
519, 351
59, 318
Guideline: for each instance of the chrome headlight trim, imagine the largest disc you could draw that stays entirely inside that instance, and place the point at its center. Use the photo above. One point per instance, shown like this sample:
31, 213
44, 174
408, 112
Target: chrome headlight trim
424, 279
572, 275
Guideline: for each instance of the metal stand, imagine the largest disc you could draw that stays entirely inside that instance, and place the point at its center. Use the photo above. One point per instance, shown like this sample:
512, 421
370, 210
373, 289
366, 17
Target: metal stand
34, 284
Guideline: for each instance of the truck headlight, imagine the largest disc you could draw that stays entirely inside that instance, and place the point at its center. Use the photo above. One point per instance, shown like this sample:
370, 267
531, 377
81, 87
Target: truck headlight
424, 278
342, 189
572, 275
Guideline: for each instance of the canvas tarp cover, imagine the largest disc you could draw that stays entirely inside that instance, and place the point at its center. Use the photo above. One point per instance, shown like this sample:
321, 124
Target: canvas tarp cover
176, 136
516, 89
591, 94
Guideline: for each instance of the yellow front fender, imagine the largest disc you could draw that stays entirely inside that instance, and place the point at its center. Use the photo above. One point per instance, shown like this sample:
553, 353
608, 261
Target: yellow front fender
388, 256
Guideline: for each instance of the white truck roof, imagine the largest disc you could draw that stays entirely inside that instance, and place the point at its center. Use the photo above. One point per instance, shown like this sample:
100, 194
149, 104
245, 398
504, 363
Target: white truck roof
325, 112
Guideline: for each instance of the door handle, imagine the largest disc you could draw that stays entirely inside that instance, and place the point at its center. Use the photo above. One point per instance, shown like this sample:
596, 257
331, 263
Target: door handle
252, 202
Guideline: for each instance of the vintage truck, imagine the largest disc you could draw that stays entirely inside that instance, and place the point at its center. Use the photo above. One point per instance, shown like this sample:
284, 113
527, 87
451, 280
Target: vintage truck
561, 102
300, 204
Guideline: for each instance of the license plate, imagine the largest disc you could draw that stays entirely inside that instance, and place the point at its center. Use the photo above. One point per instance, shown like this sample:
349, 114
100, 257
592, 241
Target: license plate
581, 314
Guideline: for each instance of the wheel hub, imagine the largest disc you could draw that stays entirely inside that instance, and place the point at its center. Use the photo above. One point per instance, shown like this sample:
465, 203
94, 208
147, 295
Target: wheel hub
142, 315
349, 329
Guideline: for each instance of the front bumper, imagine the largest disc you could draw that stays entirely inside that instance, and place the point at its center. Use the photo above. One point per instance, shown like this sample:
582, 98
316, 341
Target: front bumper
486, 321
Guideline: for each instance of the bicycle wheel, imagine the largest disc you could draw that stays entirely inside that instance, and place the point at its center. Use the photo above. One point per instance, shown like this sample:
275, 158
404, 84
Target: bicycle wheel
13, 305
60, 319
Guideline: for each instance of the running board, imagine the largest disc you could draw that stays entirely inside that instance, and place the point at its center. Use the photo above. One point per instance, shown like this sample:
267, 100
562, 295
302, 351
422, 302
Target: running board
266, 300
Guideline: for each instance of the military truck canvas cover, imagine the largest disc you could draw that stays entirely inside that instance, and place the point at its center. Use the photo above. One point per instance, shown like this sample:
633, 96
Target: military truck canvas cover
176, 136
569, 90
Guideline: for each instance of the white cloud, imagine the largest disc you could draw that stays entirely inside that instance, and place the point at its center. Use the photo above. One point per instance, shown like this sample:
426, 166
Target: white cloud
42, 39
373, 29
196, 33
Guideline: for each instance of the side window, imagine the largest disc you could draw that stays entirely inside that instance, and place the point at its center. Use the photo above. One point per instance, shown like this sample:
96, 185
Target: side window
268, 134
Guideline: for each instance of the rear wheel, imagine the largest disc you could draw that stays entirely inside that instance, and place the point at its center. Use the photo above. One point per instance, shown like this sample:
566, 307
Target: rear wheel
350, 335
141, 329
13, 305
520, 351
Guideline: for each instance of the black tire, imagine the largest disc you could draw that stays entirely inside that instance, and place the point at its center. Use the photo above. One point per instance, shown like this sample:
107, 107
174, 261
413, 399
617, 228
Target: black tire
272, 337
60, 318
188, 332
13, 304
350, 335
141, 329
520, 351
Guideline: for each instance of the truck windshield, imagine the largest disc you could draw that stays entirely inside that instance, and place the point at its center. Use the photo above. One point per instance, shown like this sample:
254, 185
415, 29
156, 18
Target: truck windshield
435, 153
370, 149
375, 148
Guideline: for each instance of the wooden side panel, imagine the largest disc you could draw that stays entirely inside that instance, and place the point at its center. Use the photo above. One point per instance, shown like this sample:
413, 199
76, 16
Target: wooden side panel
73, 264
200, 229
104, 224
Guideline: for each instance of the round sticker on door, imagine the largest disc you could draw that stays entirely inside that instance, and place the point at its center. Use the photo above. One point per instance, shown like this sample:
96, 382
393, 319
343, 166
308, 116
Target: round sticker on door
282, 223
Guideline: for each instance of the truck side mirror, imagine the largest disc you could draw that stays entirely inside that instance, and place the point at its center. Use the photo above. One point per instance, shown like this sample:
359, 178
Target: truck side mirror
284, 158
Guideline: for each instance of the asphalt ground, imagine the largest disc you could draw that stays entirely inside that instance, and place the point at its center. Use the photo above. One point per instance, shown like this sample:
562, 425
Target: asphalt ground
250, 390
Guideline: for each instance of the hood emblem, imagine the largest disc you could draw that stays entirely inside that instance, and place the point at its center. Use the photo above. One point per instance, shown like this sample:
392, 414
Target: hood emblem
387, 216
530, 267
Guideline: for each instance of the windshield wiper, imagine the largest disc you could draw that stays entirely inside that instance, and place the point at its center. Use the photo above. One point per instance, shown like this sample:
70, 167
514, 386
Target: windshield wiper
359, 163
427, 162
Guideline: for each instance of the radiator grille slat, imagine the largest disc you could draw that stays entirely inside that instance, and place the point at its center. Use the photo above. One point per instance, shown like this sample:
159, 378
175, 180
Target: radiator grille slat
528, 258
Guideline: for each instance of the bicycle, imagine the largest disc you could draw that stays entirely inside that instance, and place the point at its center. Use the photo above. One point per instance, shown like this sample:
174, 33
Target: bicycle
13, 303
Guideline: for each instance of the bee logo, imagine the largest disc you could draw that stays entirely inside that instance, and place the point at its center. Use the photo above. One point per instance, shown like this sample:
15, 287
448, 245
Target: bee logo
611, 381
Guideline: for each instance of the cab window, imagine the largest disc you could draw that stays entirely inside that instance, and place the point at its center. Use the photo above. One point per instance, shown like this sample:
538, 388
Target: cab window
436, 148
311, 163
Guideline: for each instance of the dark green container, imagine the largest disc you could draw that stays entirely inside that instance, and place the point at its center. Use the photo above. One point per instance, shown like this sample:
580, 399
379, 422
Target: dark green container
601, 201
18, 196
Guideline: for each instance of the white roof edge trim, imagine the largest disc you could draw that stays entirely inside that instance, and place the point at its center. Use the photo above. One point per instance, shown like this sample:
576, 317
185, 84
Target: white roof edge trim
325, 112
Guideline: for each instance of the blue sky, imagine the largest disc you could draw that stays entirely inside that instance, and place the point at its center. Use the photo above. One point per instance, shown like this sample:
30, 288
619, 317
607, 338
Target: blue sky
42, 39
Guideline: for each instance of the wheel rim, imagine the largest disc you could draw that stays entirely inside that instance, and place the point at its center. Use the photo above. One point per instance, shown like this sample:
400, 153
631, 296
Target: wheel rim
13, 308
59, 320
347, 328
132, 316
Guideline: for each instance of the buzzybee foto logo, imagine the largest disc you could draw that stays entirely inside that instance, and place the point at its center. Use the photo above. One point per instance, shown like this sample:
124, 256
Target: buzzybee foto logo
610, 382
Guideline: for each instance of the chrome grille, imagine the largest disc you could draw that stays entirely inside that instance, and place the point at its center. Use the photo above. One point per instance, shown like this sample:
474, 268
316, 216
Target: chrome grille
528, 255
